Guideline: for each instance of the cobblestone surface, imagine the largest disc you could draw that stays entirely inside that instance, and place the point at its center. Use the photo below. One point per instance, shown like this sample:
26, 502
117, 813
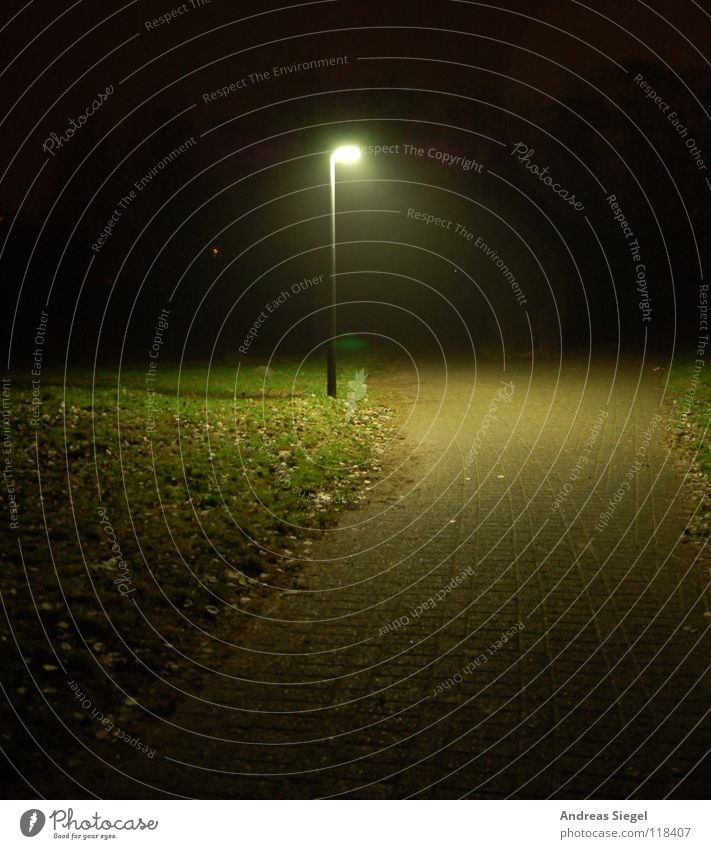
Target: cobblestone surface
600, 691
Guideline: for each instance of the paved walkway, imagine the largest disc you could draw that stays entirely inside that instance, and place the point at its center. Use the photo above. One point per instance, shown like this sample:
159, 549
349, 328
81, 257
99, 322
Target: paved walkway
461, 635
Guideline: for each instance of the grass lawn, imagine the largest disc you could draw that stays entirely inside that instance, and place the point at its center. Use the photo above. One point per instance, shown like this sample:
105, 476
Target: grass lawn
153, 505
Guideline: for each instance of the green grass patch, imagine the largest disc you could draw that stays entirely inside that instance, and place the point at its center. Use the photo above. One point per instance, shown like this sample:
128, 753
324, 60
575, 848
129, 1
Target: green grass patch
690, 390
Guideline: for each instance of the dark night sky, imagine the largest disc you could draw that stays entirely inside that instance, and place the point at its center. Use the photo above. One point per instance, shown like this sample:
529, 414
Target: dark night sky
450, 79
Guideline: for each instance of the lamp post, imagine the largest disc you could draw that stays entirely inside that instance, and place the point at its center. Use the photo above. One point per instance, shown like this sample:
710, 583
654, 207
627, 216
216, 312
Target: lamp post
347, 154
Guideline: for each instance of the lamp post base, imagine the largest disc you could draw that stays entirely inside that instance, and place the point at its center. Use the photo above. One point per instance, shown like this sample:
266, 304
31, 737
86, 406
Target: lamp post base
331, 369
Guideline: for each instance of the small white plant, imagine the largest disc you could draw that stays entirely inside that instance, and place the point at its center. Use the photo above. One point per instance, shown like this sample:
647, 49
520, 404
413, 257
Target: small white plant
357, 389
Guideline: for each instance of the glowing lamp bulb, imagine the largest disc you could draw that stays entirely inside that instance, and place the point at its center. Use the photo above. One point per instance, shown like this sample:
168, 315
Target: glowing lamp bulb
346, 154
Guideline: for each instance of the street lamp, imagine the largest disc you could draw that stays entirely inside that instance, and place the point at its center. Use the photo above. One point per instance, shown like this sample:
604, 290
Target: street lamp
347, 154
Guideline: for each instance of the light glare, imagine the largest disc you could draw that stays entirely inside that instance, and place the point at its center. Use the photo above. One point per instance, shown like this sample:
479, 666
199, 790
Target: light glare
347, 153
